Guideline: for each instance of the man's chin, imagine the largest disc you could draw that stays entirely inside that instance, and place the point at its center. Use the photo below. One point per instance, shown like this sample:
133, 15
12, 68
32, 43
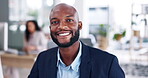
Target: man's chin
64, 45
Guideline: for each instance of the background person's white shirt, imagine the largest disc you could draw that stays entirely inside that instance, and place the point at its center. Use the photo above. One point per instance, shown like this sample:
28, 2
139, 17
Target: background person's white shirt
39, 40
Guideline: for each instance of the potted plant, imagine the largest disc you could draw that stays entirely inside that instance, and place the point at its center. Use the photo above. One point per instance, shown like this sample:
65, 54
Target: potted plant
103, 33
103, 30
118, 36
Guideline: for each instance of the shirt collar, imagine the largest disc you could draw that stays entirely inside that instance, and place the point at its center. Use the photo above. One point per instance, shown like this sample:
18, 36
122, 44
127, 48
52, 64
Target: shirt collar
76, 63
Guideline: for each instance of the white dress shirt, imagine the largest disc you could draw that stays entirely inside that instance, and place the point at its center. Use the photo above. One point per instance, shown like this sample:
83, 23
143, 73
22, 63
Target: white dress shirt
71, 71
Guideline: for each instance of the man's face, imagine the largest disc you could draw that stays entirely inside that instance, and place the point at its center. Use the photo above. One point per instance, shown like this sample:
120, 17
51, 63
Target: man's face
64, 26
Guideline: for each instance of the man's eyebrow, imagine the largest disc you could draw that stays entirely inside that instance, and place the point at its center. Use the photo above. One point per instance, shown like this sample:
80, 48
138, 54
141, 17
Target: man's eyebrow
66, 16
69, 16
53, 18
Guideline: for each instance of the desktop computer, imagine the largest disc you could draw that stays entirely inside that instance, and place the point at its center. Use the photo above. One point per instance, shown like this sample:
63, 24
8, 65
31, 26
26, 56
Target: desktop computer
4, 39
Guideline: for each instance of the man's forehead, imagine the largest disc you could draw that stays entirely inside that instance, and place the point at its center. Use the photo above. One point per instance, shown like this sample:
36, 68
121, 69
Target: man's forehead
63, 5
63, 9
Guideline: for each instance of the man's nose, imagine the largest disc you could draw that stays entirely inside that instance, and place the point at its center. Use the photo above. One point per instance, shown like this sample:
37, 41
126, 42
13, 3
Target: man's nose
62, 26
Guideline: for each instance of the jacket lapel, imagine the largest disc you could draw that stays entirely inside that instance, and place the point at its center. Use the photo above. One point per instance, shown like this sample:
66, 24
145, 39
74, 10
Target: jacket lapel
85, 66
52, 65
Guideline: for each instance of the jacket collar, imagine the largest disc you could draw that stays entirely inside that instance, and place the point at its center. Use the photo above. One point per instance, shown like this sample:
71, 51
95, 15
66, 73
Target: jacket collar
75, 64
51, 70
84, 66
85, 62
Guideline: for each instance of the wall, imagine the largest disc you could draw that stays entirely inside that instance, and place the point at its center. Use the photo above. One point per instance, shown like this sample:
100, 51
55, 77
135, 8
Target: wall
4, 11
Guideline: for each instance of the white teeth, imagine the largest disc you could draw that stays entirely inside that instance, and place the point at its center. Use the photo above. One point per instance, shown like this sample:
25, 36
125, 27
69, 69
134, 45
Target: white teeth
63, 34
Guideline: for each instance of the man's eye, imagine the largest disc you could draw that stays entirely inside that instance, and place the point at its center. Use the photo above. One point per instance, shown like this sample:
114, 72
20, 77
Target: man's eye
69, 20
54, 22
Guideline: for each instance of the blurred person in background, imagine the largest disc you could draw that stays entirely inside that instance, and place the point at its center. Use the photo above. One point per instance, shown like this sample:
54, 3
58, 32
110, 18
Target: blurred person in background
35, 40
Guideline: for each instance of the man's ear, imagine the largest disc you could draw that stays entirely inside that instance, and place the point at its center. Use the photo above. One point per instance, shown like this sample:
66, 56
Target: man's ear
49, 27
80, 25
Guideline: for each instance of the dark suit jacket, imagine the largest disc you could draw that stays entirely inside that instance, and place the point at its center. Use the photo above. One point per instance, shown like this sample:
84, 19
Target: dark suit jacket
95, 63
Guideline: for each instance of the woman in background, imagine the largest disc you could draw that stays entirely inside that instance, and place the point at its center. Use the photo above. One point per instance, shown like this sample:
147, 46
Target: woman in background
35, 40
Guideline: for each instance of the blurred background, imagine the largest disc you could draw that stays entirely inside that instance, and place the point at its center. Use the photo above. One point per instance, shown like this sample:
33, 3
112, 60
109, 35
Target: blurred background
117, 26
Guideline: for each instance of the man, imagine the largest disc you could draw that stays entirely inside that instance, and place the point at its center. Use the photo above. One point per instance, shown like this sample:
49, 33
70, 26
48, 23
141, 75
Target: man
72, 59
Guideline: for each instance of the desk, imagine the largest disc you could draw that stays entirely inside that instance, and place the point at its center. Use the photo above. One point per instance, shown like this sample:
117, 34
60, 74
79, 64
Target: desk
21, 61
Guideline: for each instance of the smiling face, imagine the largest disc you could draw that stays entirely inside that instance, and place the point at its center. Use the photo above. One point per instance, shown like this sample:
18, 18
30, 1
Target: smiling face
64, 25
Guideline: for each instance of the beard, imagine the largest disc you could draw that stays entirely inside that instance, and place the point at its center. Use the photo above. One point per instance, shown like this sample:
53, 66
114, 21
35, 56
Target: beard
72, 40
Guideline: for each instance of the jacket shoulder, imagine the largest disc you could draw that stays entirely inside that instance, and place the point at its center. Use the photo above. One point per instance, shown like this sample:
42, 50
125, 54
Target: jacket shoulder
48, 53
100, 54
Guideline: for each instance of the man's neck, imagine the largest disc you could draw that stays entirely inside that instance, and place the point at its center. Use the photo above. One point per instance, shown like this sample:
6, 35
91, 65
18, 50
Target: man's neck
69, 54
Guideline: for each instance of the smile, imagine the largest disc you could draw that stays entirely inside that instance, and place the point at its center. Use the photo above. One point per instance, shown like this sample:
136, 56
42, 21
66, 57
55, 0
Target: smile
64, 34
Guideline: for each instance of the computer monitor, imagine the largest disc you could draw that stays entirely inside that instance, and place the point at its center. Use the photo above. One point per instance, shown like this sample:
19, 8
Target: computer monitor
3, 36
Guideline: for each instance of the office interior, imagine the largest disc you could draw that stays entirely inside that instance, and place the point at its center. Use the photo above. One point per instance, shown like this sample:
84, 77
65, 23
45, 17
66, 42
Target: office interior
117, 26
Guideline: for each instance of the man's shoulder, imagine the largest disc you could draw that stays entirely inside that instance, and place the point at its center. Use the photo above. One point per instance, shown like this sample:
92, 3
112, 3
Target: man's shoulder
98, 53
99, 56
49, 52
